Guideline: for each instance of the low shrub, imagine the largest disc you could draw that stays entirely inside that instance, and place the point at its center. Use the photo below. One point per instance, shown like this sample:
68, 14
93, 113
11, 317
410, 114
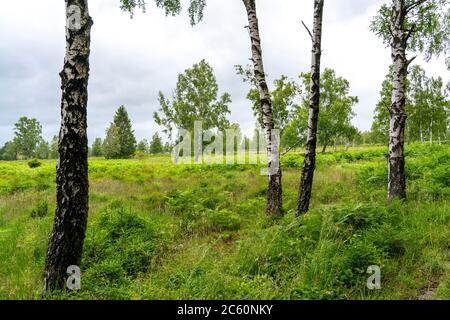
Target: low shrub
40, 210
121, 243
34, 163
223, 220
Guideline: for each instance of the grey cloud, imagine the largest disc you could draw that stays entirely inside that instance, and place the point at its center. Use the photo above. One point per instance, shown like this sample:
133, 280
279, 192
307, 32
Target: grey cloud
133, 59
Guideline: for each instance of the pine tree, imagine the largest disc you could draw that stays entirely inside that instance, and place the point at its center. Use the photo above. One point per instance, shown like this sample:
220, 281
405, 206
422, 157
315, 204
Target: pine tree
156, 146
127, 140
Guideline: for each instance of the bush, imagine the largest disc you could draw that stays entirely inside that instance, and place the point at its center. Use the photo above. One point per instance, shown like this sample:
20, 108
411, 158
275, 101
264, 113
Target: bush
140, 154
121, 243
156, 200
291, 161
34, 163
40, 210
357, 255
180, 202
359, 216
223, 220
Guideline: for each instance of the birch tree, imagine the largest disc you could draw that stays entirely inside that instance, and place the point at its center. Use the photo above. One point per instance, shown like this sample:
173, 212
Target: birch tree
428, 114
66, 241
426, 106
336, 108
419, 26
309, 164
274, 192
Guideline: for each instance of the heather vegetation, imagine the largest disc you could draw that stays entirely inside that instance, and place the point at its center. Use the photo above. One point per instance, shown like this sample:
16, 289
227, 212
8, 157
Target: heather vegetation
203, 206
159, 230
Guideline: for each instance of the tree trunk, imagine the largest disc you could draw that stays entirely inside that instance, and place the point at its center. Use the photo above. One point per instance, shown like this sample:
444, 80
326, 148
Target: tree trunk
431, 132
396, 182
66, 241
324, 149
274, 192
309, 164
421, 133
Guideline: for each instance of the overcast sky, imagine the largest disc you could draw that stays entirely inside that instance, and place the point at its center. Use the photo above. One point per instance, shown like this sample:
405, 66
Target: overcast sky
132, 59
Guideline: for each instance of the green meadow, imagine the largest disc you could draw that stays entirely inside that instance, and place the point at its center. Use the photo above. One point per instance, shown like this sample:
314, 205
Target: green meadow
163, 231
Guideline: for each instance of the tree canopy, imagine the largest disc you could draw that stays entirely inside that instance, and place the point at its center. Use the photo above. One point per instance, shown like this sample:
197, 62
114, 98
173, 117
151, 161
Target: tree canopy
284, 98
427, 108
195, 99
111, 145
336, 111
97, 148
28, 136
8, 151
171, 7
156, 146
426, 24
380, 124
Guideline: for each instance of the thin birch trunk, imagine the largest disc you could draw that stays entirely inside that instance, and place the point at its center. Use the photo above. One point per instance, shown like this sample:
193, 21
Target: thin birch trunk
274, 192
421, 133
66, 241
396, 179
431, 132
309, 164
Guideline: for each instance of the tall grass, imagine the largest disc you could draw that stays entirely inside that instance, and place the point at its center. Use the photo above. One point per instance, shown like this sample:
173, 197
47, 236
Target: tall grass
164, 231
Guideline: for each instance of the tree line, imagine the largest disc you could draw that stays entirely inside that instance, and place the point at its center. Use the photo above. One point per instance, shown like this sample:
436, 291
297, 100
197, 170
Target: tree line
119, 143
427, 107
196, 93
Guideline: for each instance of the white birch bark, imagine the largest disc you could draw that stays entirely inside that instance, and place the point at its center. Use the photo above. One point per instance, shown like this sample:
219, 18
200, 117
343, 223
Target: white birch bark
69, 228
396, 179
309, 164
274, 193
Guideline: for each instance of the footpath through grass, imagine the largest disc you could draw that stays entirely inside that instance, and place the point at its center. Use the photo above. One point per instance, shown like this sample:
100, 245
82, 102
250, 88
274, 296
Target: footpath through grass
164, 231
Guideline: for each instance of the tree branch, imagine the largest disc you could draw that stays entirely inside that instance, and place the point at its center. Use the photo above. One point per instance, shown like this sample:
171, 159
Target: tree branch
410, 60
414, 5
310, 34
390, 31
248, 29
411, 31
292, 147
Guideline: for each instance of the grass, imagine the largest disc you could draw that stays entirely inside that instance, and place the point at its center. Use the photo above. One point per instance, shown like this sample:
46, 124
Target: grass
164, 231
